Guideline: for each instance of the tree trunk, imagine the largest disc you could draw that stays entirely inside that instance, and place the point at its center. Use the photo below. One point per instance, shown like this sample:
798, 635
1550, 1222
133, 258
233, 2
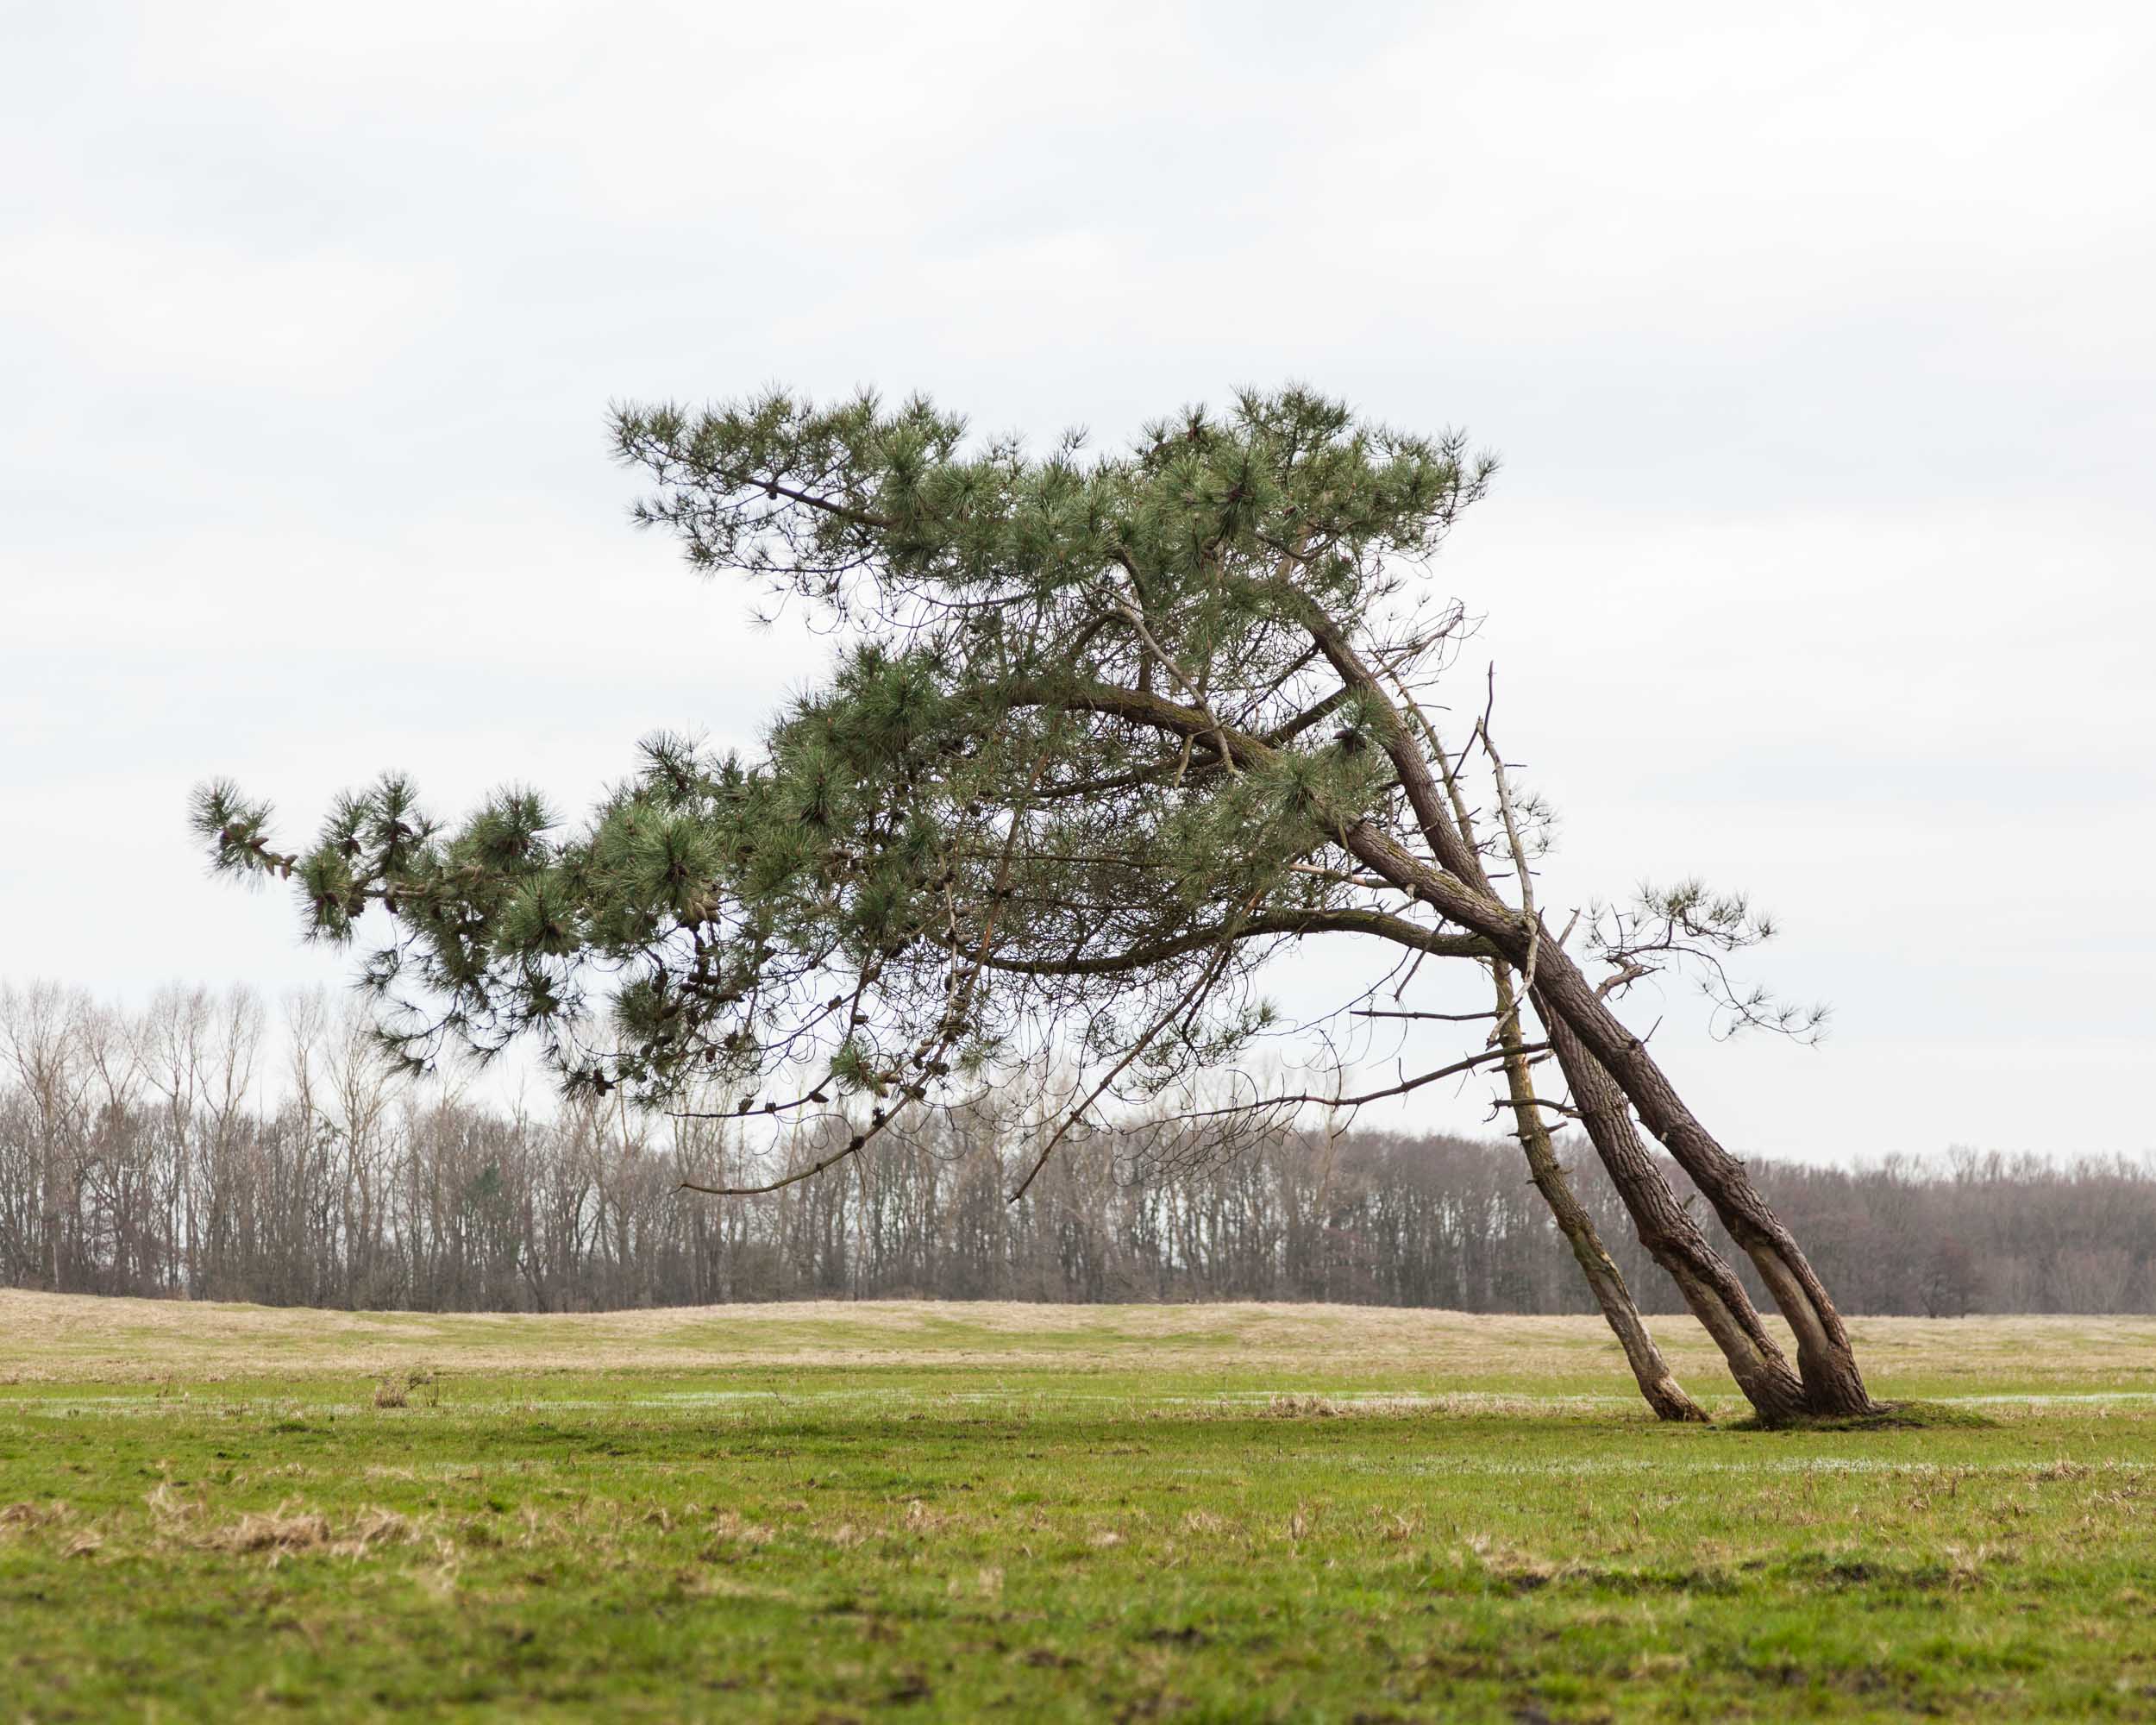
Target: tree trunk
1657, 1383
1833, 1385
1709, 1286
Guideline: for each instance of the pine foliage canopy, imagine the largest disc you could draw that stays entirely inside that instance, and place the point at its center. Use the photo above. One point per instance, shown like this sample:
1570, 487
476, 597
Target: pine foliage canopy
1077, 768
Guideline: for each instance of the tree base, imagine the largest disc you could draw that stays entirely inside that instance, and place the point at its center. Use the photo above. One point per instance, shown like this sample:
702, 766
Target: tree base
1886, 1416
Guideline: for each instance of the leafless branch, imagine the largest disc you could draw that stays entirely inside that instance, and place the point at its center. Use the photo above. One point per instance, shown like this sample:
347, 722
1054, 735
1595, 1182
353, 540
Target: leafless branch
1448, 1018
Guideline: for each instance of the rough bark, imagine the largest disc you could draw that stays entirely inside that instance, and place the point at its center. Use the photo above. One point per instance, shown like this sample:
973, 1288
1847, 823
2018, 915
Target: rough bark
1709, 1286
1832, 1383
1657, 1383
1458, 889
1827, 1364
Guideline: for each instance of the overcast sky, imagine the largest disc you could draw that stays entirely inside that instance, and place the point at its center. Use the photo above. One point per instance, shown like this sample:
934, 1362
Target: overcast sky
1816, 339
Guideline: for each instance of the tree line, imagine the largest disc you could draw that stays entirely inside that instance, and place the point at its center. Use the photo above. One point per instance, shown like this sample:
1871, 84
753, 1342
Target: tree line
199, 1149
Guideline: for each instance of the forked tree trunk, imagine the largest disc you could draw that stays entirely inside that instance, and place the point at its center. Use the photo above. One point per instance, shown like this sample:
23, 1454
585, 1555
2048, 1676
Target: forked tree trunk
1833, 1385
1657, 1383
1710, 1287
1826, 1363
1459, 889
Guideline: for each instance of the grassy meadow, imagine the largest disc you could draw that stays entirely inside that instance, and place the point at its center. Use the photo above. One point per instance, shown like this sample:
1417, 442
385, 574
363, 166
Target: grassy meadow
930, 1512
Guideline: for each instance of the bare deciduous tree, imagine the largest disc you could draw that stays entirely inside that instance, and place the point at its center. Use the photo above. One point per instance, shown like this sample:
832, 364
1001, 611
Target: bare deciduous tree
454, 1207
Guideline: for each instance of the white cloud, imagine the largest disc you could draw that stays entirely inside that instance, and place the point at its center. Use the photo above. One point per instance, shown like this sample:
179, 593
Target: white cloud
162, 311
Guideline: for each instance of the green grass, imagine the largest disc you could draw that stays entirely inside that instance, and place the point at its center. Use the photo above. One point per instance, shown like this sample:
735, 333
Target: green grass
950, 1512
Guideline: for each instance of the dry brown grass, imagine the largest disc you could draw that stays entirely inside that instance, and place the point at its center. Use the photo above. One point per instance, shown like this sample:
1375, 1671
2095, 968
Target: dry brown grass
397, 1390
47, 1337
26, 1517
177, 1520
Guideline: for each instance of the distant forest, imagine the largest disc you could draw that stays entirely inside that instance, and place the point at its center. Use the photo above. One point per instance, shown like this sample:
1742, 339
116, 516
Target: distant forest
190, 1150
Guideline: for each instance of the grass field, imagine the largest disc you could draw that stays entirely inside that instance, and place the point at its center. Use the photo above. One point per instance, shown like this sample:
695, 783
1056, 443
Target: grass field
929, 1512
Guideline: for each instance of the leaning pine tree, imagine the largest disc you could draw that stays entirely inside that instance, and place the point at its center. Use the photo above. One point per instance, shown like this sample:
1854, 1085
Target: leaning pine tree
1105, 733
